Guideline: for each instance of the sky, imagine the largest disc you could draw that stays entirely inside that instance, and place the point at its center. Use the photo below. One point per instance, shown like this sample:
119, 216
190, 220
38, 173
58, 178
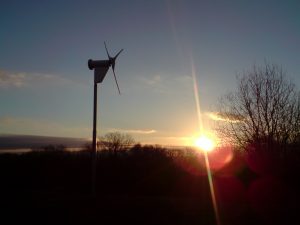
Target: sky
169, 46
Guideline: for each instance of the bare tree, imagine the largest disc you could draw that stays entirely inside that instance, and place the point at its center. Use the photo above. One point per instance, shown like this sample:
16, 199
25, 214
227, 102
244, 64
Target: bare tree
116, 142
265, 109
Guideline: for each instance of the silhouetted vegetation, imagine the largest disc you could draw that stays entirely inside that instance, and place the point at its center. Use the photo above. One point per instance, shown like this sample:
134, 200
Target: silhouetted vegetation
143, 185
115, 142
263, 119
264, 111
51, 148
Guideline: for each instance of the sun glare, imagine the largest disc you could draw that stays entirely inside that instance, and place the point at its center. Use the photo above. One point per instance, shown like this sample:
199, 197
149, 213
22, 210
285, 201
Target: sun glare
205, 143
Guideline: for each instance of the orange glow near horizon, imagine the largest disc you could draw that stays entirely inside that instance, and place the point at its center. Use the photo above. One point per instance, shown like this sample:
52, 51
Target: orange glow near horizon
205, 143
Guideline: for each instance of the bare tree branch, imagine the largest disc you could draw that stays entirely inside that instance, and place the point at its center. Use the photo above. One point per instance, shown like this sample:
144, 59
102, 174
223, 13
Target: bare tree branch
270, 107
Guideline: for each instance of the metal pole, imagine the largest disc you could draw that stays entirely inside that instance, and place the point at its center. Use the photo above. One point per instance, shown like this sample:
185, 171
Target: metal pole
94, 150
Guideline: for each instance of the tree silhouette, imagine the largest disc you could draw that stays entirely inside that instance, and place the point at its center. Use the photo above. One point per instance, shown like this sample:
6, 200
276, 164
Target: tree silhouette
116, 142
265, 110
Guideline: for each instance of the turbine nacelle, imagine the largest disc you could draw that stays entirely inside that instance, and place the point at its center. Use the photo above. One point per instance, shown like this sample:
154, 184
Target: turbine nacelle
93, 64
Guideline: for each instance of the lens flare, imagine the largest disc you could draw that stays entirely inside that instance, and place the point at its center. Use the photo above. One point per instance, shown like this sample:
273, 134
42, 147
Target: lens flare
207, 165
205, 143
197, 103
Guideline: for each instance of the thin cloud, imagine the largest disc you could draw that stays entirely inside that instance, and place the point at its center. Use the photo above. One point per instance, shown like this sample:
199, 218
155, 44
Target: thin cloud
228, 117
184, 138
167, 84
24, 79
133, 131
184, 80
151, 81
167, 80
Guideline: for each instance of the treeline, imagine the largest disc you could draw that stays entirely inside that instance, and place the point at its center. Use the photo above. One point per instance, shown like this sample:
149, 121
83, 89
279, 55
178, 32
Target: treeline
248, 187
143, 170
150, 170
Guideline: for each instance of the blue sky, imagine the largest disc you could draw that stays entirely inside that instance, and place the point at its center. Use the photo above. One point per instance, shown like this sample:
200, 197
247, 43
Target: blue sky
46, 87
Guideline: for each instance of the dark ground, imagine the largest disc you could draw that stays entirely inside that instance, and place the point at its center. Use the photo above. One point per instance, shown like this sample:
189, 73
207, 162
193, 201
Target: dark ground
140, 188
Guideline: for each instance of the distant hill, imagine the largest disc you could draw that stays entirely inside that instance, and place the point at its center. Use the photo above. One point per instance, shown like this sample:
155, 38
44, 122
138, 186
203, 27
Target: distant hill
8, 141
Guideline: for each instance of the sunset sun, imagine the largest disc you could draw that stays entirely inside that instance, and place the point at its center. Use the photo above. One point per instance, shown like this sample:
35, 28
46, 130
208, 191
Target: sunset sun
205, 143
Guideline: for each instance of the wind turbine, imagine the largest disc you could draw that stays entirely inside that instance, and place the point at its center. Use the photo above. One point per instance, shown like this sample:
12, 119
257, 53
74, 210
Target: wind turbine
100, 68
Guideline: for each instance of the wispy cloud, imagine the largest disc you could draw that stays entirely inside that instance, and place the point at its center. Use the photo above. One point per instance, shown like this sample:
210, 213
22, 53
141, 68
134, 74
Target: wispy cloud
156, 79
24, 79
183, 138
155, 83
166, 80
228, 117
184, 80
133, 131
166, 83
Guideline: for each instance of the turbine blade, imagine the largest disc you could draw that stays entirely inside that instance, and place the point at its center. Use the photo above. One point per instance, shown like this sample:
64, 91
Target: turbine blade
106, 50
118, 54
116, 81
